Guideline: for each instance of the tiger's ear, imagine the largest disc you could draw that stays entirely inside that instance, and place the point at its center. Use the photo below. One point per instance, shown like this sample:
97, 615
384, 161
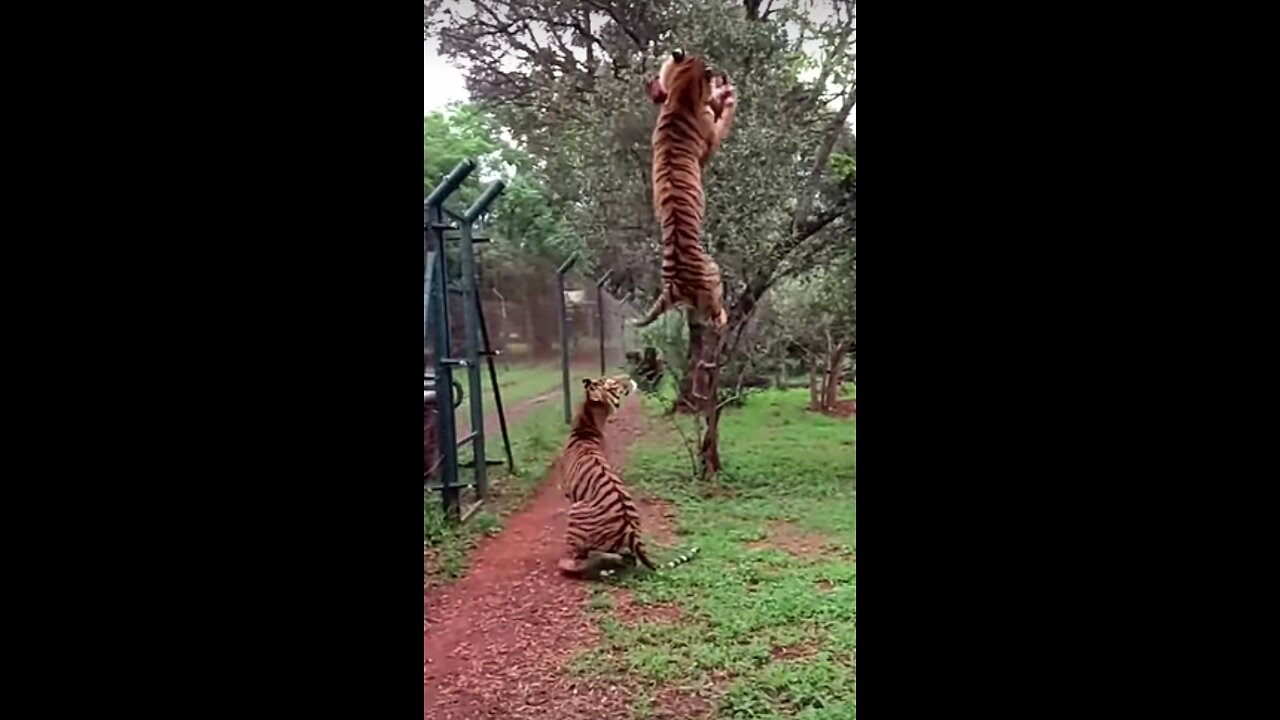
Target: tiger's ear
586, 383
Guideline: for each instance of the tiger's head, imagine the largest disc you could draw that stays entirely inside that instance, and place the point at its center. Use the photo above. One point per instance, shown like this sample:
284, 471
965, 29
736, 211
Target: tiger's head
607, 392
685, 77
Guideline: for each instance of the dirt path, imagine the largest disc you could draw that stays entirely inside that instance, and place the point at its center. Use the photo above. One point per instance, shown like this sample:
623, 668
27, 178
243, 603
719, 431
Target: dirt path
494, 641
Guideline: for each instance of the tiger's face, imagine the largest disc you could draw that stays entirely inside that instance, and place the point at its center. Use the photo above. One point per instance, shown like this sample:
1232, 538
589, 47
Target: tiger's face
608, 391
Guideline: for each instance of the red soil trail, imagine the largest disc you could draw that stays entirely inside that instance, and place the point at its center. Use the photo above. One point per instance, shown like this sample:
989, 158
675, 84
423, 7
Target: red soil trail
496, 639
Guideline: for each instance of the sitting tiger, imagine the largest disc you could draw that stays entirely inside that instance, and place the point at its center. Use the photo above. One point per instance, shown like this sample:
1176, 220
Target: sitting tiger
695, 118
603, 520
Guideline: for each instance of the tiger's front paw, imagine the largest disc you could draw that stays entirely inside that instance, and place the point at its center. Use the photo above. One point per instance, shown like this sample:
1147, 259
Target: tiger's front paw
723, 92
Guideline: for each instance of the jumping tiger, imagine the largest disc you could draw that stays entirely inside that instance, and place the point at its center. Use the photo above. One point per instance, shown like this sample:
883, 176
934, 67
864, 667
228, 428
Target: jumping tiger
603, 520
697, 112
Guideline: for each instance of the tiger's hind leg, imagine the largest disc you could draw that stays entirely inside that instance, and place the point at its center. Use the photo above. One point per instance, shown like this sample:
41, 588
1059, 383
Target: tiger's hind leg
584, 561
578, 560
574, 566
607, 564
609, 560
625, 561
593, 565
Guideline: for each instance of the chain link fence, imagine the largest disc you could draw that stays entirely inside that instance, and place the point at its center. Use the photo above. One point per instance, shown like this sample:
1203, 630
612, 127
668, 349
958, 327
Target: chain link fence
522, 315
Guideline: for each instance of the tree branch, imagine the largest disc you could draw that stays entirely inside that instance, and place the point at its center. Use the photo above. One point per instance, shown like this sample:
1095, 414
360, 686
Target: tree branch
591, 55
812, 227
829, 63
820, 161
616, 21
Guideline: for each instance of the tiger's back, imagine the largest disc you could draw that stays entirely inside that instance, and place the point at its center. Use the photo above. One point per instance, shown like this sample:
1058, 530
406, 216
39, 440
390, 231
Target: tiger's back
680, 141
683, 140
602, 514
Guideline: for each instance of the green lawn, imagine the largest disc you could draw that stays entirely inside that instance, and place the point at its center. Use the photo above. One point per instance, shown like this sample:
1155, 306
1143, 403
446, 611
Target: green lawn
767, 611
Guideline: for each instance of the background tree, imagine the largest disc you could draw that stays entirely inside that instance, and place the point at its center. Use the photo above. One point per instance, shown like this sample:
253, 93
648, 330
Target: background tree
528, 235
453, 135
567, 79
816, 320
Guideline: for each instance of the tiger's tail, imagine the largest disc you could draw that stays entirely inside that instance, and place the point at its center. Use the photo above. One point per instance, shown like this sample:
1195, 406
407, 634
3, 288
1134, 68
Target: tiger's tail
660, 306
681, 560
637, 549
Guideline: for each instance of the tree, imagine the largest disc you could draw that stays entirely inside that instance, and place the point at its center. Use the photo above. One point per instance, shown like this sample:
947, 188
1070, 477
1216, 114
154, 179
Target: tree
528, 234
453, 135
567, 79
815, 316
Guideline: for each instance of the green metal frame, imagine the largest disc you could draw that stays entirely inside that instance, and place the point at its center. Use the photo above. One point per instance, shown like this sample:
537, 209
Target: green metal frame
437, 336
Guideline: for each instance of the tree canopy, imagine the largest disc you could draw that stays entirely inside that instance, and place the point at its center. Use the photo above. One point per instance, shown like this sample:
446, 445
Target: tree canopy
567, 79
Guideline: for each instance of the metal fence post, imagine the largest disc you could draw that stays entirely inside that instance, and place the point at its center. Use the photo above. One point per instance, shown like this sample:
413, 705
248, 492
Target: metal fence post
437, 314
564, 334
622, 321
471, 318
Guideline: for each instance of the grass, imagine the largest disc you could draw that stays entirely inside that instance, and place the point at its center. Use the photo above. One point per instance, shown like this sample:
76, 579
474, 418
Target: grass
518, 383
535, 442
769, 607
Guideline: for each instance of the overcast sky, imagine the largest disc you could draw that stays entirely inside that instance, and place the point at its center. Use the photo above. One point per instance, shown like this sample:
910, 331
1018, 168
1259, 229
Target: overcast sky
441, 82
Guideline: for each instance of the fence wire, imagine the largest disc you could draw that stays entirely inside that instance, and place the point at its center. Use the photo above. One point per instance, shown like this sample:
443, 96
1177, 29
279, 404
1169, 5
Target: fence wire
521, 312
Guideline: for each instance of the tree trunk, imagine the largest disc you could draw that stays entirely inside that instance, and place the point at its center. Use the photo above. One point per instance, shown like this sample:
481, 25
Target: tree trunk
545, 312
711, 351
714, 346
815, 402
717, 348
685, 399
527, 335
834, 376
710, 449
